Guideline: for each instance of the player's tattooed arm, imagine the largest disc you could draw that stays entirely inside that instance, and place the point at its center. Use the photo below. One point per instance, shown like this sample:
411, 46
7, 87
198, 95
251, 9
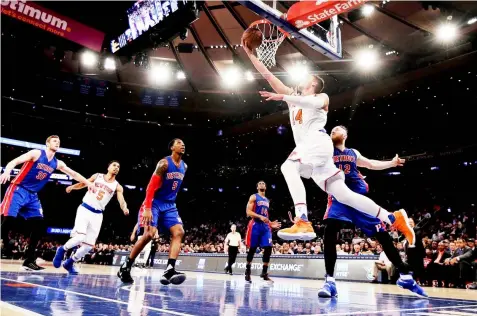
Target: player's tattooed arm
251, 213
80, 185
161, 167
32, 155
122, 202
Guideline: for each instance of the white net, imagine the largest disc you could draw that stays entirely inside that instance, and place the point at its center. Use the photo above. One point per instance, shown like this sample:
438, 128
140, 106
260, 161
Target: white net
272, 37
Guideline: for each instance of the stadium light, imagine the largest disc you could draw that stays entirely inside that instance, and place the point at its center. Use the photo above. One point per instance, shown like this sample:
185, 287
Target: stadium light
89, 59
231, 76
446, 32
109, 64
367, 9
249, 76
472, 21
180, 75
160, 73
298, 73
367, 59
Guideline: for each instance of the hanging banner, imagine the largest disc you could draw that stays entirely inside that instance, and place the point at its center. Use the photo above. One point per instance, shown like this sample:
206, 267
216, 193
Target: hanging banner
304, 14
50, 21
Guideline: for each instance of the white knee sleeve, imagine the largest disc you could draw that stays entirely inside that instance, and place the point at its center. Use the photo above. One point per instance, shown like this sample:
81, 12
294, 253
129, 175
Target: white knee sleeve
74, 241
81, 252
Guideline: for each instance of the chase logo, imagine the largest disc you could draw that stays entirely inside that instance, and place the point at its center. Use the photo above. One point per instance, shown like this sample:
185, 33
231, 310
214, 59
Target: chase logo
201, 264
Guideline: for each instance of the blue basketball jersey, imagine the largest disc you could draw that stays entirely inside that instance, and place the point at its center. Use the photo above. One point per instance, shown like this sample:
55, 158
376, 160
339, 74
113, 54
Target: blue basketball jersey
171, 182
346, 161
261, 205
34, 175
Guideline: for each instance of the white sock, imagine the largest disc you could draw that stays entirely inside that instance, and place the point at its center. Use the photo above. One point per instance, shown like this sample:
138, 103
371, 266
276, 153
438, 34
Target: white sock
74, 241
343, 194
81, 252
301, 211
295, 186
147, 251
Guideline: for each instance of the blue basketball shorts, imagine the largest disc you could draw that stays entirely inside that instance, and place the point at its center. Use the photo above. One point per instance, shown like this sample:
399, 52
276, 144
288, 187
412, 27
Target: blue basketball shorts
258, 234
368, 224
20, 201
164, 215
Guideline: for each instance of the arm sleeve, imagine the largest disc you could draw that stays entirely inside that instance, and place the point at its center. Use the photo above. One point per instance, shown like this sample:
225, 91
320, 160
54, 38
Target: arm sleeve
153, 185
309, 101
469, 255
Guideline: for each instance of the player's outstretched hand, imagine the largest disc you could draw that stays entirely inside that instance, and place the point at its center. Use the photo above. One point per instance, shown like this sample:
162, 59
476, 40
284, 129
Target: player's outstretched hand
126, 211
4, 178
69, 189
398, 162
275, 224
271, 96
147, 217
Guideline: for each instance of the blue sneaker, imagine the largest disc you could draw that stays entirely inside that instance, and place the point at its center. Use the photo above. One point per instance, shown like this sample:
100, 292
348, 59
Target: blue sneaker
60, 253
329, 288
70, 267
407, 282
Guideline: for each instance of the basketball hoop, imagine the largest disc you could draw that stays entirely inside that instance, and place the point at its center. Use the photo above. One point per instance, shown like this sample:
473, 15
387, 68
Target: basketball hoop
272, 37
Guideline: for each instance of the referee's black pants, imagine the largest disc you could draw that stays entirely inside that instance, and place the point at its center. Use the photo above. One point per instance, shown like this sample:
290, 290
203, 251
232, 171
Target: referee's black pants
233, 250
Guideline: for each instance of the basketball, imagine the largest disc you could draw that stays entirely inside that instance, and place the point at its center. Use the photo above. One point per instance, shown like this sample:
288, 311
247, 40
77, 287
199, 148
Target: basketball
252, 38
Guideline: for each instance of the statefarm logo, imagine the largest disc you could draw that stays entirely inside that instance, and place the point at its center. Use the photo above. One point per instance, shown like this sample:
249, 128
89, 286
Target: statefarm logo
35, 16
328, 13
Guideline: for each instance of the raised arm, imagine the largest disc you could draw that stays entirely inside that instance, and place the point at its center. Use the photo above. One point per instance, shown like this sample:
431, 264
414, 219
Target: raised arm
319, 101
378, 164
80, 185
122, 203
75, 175
32, 155
276, 84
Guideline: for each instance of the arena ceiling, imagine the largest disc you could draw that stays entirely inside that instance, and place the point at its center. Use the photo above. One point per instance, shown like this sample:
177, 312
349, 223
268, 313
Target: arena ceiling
406, 28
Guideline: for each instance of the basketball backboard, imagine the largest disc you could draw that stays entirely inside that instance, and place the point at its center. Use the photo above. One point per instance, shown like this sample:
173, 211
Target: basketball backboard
324, 40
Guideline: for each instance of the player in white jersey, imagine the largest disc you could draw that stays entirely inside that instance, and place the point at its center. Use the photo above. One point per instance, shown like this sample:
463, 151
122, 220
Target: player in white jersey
89, 215
313, 155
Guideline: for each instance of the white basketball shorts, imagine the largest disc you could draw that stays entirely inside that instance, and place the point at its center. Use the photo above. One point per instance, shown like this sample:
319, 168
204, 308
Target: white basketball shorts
316, 150
87, 223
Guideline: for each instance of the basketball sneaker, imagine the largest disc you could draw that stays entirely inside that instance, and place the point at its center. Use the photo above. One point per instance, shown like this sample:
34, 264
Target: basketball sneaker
301, 230
328, 290
60, 253
124, 274
31, 266
406, 281
69, 266
172, 276
265, 277
400, 221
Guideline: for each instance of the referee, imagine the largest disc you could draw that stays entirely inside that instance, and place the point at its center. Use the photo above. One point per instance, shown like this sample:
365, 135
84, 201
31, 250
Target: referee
231, 245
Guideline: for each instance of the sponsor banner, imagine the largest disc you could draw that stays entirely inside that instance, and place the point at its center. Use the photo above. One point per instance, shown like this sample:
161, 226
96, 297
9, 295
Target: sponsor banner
359, 268
304, 14
60, 231
50, 21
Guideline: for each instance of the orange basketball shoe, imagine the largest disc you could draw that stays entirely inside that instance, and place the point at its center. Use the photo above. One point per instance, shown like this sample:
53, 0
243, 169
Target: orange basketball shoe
401, 223
301, 230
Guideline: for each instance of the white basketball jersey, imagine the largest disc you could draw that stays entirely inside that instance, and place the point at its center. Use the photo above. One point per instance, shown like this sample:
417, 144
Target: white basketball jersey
104, 192
306, 120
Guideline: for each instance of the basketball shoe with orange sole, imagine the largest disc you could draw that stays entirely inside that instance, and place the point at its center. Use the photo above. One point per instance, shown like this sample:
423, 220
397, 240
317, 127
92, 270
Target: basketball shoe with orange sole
400, 221
301, 230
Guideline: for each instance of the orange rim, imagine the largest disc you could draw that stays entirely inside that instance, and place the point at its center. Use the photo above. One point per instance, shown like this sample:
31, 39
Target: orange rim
264, 21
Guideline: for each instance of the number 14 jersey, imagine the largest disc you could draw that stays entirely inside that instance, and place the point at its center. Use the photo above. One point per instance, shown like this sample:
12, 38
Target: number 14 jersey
104, 192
